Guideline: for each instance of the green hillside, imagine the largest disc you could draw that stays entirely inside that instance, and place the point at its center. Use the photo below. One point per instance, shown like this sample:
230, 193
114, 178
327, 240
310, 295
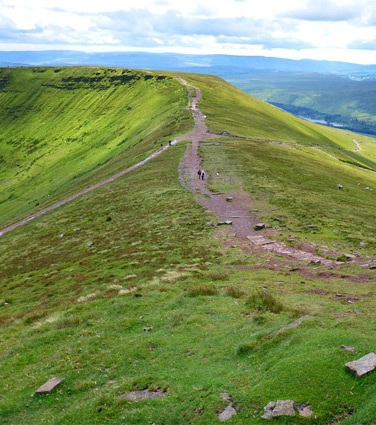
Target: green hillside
59, 125
131, 286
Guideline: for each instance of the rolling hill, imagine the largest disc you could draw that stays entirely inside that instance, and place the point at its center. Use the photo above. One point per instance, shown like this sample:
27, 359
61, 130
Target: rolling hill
136, 286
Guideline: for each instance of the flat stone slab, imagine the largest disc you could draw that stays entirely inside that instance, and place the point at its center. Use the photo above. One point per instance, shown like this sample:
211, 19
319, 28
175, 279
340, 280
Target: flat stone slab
49, 386
279, 408
228, 413
291, 325
141, 395
363, 365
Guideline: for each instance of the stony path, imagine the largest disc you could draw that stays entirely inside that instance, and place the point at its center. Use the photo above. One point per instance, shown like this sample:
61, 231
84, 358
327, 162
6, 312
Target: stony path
236, 211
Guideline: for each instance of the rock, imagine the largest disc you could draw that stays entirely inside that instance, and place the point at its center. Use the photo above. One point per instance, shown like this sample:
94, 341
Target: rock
77, 229
226, 222
346, 348
349, 257
279, 408
141, 395
225, 397
304, 411
314, 263
291, 325
49, 386
227, 414
363, 365
61, 235
367, 188
147, 329
259, 226
339, 186
89, 244
229, 198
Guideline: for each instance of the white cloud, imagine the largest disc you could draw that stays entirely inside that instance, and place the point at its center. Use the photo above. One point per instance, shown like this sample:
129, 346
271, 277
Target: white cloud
292, 27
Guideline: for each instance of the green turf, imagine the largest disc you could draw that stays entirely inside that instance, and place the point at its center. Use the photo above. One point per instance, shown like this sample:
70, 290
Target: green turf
65, 128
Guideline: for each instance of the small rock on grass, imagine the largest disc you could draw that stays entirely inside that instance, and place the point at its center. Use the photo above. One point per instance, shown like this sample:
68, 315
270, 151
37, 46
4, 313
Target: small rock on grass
346, 348
363, 365
279, 408
141, 395
227, 413
259, 226
49, 386
147, 329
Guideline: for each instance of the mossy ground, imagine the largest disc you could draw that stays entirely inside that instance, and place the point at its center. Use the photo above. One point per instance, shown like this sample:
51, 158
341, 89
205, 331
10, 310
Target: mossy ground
78, 311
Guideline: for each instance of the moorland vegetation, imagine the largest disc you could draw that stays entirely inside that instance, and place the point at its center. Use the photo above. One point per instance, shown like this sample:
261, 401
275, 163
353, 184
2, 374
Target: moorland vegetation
131, 287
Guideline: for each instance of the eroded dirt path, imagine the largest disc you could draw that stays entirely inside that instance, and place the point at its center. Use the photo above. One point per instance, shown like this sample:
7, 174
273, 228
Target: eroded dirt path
237, 211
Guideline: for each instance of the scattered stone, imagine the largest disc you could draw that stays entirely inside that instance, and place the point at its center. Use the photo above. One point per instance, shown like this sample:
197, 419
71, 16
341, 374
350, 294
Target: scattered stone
367, 188
373, 267
339, 186
311, 226
141, 395
279, 408
225, 397
228, 413
226, 222
259, 226
77, 229
363, 365
209, 223
255, 210
349, 257
229, 198
89, 244
304, 411
147, 329
61, 235
314, 263
357, 311
49, 386
346, 348
291, 325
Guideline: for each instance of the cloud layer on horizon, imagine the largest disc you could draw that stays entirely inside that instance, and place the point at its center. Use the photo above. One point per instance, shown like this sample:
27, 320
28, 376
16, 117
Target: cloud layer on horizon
310, 27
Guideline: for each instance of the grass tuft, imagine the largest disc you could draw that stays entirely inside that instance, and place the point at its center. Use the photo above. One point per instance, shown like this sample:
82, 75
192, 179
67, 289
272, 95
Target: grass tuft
264, 301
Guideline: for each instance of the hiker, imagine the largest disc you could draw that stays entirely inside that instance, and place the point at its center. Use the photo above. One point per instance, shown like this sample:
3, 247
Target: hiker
199, 174
202, 174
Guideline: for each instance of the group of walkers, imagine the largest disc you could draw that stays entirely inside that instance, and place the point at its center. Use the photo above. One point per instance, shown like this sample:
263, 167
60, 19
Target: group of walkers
201, 174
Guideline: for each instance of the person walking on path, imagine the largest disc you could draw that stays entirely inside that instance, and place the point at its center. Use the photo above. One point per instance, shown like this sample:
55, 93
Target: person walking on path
199, 174
202, 174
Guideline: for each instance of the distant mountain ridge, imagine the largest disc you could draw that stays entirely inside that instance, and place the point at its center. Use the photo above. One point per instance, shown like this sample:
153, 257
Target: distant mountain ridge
222, 65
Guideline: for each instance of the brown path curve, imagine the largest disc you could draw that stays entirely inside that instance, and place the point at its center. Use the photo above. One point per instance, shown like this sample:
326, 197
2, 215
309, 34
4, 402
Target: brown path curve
236, 211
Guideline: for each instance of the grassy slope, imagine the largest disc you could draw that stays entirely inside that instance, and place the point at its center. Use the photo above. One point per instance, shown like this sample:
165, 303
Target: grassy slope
298, 183
63, 129
73, 311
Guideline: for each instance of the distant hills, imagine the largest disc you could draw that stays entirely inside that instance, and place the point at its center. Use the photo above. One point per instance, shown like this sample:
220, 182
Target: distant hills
222, 65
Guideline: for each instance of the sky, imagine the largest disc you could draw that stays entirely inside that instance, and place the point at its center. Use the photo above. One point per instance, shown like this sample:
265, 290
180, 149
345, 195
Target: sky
343, 30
